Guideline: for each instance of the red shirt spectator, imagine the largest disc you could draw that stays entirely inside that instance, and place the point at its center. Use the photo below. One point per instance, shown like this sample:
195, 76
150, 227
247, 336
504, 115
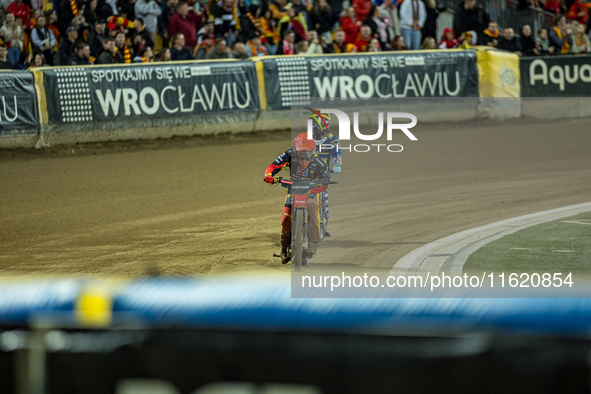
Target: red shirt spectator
553, 6
350, 26
363, 39
578, 12
20, 10
185, 21
362, 8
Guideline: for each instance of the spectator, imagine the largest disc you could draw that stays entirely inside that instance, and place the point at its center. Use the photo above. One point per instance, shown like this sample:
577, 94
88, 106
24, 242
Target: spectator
239, 52
109, 55
340, 46
52, 24
224, 23
389, 13
286, 47
66, 47
560, 36
4, 63
527, 45
179, 51
336, 6
350, 26
66, 12
363, 39
490, 36
429, 43
127, 10
250, 23
362, 8
185, 21
141, 37
33, 19
20, 10
509, 42
430, 26
314, 45
542, 40
168, 9
219, 50
122, 47
43, 40
377, 25
412, 19
24, 61
206, 30
83, 28
81, 55
470, 15
254, 46
578, 12
12, 34
149, 10
374, 46
145, 55
205, 44
277, 9
581, 44
164, 55
300, 8
97, 37
448, 40
39, 61
322, 19
397, 44
270, 34
91, 14
553, 6
468, 40
293, 22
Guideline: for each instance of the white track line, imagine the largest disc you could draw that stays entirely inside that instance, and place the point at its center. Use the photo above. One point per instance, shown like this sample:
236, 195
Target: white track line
449, 254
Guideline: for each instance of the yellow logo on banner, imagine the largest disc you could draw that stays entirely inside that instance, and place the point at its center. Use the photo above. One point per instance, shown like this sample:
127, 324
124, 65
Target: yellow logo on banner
507, 76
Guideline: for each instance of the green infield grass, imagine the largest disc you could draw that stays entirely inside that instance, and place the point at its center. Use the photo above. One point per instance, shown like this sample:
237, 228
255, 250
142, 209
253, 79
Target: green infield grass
562, 246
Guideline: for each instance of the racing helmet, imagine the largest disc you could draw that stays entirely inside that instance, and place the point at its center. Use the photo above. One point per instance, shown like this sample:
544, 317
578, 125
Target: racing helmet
320, 124
304, 149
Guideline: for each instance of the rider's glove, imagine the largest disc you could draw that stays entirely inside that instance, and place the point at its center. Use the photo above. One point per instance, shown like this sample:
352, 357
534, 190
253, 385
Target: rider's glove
269, 179
336, 169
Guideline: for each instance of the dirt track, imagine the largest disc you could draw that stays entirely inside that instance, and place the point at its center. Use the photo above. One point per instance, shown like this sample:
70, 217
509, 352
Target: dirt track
199, 206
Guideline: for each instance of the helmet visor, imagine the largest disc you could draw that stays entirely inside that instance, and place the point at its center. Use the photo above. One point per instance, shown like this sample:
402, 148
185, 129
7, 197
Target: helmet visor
305, 155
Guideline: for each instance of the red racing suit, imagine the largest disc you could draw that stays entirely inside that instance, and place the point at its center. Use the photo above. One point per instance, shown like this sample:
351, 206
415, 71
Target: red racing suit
316, 169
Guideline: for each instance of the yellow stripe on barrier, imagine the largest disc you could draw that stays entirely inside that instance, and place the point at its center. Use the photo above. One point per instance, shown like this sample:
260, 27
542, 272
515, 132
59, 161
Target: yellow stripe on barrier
41, 97
94, 307
498, 73
259, 64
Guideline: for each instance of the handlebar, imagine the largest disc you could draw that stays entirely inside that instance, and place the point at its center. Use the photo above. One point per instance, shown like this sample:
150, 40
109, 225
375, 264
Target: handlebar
315, 183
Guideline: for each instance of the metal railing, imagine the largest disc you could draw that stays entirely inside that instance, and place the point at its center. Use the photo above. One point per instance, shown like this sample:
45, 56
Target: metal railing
505, 12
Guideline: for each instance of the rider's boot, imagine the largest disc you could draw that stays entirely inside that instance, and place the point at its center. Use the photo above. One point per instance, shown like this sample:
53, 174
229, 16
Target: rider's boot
284, 257
312, 248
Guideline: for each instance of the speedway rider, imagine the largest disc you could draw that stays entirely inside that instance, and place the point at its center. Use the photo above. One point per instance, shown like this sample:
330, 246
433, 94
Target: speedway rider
328, 147
305, 165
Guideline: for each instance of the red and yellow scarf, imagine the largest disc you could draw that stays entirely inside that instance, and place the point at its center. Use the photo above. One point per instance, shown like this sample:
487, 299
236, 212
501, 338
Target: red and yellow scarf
493, 35
74, 7
566, 47
126, 54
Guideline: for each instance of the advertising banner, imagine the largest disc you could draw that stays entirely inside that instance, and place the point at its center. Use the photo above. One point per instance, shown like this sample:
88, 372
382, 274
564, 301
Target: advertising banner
556, 76
383, 75
18, 104
147, 92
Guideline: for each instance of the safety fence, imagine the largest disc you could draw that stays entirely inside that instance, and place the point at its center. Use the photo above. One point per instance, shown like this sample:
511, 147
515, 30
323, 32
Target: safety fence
53, 106
186, 335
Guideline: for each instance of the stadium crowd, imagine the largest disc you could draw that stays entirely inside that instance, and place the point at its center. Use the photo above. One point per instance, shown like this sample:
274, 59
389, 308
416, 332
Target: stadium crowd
36, 33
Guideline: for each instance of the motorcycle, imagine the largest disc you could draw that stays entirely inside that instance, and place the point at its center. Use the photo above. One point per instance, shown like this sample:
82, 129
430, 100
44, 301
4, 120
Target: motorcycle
301, 191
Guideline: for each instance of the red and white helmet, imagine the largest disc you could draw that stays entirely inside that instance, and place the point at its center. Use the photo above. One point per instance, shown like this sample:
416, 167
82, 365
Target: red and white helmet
304, 149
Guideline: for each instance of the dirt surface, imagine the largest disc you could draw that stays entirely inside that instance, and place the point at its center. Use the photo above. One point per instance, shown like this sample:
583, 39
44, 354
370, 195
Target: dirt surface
198, 206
